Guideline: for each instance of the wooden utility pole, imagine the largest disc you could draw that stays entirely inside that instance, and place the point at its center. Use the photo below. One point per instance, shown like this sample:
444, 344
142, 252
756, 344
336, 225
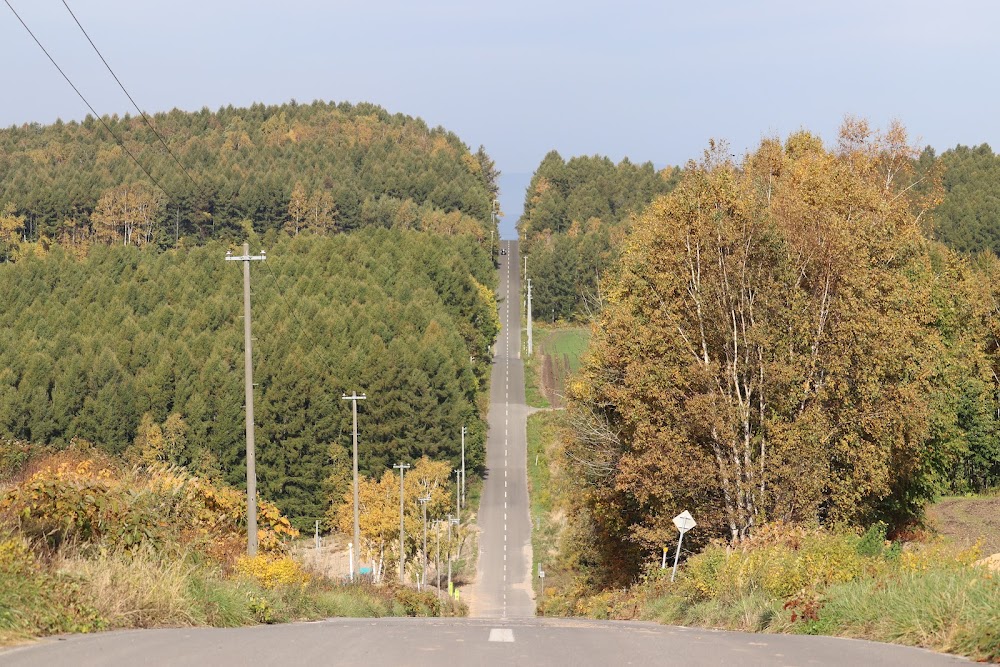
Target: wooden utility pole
246, 258
354, 398
402, 546
437, 562
458, 491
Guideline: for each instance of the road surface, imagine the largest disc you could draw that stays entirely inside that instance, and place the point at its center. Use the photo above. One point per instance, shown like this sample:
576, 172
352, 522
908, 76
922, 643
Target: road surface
503, 581
436, 642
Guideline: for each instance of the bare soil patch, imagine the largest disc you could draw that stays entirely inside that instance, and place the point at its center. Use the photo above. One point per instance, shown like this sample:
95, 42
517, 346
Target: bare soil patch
966, 520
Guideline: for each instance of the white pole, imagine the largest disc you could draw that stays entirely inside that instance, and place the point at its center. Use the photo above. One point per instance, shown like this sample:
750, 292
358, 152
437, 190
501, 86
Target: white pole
531, 347
350, 558
402, 554
246, 258
676, 556
463, 466
437, 566
450, 521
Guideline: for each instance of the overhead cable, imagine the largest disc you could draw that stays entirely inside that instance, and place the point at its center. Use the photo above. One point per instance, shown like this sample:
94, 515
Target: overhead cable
142, 113
89, 105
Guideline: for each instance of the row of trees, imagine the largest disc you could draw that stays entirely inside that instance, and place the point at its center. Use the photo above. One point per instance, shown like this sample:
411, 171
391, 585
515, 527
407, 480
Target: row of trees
781, 342
576, 212
573, 213
141, 353
323, 166
378, 503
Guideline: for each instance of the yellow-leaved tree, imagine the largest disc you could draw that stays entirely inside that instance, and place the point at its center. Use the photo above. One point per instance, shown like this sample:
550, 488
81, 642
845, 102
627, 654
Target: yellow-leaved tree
378, 502
127, 214
765, 351
11, 230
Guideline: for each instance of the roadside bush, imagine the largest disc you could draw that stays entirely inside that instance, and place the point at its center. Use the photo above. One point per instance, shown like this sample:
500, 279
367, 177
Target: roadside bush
91, 500
779, 561
272, 572
87, 543
418, 603
814, 581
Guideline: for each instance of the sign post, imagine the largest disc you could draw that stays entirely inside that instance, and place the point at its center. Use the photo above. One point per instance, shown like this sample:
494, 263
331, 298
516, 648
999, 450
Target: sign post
684, 522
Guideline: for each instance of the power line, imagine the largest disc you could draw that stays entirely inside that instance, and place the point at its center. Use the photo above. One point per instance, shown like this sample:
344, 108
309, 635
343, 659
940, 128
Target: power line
170, 152
121, 143
145, 119
89, 106
277, 287
167, 148
122, 86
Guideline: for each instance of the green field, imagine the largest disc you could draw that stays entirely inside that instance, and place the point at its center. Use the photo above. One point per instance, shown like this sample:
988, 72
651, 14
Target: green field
558, 353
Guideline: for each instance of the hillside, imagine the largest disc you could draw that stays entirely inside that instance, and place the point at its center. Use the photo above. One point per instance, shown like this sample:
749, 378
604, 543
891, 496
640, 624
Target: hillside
324, 166
573, 212
968, 218
141, 353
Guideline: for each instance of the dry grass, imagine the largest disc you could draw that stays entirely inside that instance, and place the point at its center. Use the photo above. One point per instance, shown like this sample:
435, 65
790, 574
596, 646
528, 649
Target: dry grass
139, 590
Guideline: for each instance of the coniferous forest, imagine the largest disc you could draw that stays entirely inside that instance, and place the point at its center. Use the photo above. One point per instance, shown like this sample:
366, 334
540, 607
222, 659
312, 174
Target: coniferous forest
122, 323
322, 166
575, 212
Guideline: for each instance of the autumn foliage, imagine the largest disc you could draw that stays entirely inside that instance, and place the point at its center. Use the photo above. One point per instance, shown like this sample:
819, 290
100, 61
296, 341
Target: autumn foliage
779, 342
83, 498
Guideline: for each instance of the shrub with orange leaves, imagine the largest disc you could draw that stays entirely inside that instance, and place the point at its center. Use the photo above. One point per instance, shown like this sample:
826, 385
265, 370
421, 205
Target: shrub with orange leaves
93, 500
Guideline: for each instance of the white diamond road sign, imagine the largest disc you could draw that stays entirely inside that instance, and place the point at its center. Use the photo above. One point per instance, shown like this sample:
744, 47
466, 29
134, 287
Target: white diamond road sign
684, 522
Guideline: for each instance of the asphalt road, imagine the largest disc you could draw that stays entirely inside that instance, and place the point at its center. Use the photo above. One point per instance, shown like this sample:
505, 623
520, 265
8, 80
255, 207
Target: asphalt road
503, 581
437, 642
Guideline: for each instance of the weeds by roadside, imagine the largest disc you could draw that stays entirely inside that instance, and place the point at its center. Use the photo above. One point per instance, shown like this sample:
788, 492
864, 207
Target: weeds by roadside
813, 581
88, 544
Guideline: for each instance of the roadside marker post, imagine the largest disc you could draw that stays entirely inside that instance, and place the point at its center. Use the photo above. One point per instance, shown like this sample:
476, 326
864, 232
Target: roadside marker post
684, 522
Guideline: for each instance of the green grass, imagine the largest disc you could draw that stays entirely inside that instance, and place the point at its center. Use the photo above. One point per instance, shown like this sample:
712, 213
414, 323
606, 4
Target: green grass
543, 429
566, 345
953, 611
85, 593
957, 611
533, 396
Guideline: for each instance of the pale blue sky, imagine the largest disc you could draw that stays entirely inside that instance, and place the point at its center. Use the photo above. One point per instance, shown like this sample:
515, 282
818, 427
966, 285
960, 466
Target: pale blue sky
647, 80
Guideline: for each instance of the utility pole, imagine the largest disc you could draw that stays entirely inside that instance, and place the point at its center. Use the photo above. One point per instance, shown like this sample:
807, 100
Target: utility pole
463, 466
458, 497
246, 258
354, 398
423, 505
437, 566
402, 546
451, 521
530, 342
